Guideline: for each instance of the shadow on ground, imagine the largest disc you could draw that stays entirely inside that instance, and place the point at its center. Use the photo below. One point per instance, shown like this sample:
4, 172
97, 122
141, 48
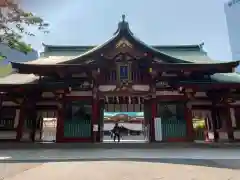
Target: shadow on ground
216, 163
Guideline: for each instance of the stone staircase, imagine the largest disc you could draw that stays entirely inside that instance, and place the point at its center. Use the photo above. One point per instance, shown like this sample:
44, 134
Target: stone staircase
15, 145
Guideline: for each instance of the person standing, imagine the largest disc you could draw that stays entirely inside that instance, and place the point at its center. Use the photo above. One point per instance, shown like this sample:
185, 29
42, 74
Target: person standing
116, 132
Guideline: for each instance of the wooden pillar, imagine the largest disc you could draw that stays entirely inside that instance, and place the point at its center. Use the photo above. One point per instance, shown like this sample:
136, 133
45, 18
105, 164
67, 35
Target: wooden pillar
60, 119
146, 118
95, 113
152, 121
100, 121
21, 120
233, 117
34, 121
189, 123
98, 133
214, 121
229, 124
1, 105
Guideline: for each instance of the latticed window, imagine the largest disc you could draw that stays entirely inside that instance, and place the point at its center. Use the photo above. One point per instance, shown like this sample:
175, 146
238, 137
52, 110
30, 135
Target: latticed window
123, 72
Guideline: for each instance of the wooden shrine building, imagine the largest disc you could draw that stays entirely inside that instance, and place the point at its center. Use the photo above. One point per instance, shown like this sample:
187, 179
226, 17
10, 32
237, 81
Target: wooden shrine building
76, 84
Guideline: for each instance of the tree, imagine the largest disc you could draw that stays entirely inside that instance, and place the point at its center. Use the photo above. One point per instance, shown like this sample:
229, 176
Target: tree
13, 25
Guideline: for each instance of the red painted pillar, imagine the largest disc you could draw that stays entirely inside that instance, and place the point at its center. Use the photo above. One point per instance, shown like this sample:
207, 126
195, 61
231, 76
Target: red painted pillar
33, 116
214, 121
95, 132
188, 118
60, 122
97, 120
152, 123
21, 122
229, 125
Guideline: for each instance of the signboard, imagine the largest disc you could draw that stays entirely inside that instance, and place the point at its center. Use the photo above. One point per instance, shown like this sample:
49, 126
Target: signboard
95, 128
158, 129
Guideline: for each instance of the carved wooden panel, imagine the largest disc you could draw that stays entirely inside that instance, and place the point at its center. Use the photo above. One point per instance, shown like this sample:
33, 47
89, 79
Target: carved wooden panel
123, 46
123, 43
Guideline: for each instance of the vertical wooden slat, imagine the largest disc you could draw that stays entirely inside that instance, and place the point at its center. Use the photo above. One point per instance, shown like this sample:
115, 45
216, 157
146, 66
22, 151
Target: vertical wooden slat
117, 108
130, 107
137, 108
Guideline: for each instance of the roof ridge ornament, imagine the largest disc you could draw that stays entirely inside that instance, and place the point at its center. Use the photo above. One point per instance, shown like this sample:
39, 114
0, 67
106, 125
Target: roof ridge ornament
123, 26
123, 17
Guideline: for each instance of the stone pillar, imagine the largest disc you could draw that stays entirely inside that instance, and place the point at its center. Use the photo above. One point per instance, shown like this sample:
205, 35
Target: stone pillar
189, 123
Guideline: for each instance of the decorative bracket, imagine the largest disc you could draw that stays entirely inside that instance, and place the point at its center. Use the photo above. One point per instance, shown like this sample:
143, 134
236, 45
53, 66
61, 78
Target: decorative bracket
190, 93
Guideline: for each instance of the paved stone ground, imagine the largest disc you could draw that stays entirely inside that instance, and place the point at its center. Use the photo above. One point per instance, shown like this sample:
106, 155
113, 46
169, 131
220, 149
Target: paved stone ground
12, 169
170, 164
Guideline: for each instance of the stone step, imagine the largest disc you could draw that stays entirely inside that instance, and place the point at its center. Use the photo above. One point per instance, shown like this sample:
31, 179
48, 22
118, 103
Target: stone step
14, 145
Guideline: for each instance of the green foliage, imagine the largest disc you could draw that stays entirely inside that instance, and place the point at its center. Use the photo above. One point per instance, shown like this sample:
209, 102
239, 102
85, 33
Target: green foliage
13, 25
5, 69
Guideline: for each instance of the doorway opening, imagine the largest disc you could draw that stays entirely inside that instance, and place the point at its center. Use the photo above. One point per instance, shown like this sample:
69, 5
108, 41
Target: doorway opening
48, 126
201, 120
128, 113
131, 124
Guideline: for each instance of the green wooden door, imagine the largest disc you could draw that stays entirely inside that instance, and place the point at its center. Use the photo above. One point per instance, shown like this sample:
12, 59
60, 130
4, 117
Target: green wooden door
77, 121
173, 122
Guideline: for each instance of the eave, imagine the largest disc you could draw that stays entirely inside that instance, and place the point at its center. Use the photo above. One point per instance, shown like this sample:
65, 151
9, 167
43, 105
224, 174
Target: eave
43, 84
50, 69
204, 86
50, 47
200, 67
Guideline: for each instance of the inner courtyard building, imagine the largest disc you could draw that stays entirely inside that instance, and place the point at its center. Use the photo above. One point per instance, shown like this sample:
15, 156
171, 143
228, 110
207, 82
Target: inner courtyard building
62, 96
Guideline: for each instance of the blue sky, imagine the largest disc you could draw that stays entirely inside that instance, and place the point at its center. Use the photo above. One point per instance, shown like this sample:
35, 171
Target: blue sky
157, 22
